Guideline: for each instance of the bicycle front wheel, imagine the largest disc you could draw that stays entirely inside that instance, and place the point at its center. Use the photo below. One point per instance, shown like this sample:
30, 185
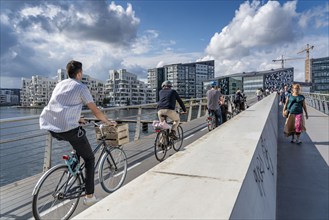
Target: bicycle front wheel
56, 194
180, 137
113, 169
160, 146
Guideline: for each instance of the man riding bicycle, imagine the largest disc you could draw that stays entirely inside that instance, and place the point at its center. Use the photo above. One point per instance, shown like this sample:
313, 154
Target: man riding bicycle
213, 103
167, 105
61, 117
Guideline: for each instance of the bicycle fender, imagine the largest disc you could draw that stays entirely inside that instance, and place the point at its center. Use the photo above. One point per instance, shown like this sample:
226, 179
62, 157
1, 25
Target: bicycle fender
36, 187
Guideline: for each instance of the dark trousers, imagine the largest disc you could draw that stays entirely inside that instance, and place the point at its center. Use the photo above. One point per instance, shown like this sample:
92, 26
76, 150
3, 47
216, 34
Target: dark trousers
77, 138
218, 116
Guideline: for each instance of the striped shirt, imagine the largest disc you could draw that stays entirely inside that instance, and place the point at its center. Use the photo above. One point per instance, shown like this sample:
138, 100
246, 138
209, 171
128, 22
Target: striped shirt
64, 108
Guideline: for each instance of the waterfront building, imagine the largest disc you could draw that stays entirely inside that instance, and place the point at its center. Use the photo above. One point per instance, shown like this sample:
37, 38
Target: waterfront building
320, 75
123, 88
186, 78
155, 77
37, 91
249, 82
9, 96
61, 75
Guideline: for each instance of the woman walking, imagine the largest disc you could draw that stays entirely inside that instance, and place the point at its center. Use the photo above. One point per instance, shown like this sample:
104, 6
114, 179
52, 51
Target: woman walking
293, 110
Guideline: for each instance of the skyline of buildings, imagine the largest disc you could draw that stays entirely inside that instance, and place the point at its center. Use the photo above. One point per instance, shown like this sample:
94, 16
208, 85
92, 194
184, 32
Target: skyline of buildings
189, 80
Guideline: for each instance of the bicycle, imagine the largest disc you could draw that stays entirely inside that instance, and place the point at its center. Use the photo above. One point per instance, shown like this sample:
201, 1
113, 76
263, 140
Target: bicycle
211, 121
57, 193
164, 141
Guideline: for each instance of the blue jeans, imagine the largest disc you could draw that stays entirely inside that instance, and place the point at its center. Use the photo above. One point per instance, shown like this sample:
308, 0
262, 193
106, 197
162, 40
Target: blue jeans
218, 114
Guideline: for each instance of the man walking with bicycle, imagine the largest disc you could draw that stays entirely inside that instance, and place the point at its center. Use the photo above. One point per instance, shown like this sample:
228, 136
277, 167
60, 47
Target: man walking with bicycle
167, 105
61, 117
213, 103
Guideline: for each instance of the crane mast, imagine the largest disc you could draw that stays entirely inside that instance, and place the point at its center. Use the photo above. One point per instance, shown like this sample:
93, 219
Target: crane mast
307, 61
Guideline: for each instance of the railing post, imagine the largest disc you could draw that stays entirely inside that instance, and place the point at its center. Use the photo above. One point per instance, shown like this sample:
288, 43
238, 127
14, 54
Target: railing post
200, 108
190, 111
138, 124
48, 150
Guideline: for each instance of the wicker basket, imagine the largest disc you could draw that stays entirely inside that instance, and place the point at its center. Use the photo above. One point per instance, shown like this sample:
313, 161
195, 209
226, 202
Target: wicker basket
114, 136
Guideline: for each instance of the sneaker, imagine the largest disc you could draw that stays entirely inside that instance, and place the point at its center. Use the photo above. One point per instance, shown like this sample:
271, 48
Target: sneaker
293, 141
298, 141
90, 201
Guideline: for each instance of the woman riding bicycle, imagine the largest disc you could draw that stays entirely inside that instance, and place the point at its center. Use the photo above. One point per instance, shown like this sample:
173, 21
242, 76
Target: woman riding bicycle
61, 117
167, 105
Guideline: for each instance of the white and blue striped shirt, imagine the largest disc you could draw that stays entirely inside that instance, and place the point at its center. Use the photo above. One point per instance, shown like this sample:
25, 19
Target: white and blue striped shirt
64, 108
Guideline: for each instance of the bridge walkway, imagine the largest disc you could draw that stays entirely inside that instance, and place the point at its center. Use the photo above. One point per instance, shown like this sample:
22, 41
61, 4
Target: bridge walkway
303, 174
16, 198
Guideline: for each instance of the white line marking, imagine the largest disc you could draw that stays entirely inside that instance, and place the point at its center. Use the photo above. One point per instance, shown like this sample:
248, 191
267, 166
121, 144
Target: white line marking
204, 129
189, 136
135, 165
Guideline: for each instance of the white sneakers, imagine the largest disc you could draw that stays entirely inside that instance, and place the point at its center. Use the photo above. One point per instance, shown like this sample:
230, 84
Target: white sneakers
90, 201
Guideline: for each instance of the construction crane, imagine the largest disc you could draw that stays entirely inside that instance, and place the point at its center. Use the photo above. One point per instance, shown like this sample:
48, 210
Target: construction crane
284, 60
307, 61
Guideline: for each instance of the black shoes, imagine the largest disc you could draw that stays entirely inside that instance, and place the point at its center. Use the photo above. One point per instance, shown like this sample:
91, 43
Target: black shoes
173, 135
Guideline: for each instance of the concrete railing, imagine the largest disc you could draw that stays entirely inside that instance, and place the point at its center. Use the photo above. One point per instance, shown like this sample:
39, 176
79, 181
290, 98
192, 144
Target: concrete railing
228, 173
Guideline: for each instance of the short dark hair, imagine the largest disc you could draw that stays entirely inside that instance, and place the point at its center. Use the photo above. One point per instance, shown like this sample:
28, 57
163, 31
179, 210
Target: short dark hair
73, 68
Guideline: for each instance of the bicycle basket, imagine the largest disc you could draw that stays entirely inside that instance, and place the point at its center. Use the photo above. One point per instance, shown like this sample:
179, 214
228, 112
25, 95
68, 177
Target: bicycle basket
114, 135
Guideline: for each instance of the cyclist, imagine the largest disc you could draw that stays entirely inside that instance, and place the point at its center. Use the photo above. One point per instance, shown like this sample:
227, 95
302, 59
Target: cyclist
239, 100
167, 105
61, 117
213, 103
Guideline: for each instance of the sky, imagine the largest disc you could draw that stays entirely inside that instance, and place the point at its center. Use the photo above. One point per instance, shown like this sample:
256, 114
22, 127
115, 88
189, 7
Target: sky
38, 37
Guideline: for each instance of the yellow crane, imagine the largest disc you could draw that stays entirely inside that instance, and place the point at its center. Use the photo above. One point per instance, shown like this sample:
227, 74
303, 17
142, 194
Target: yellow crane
307, 61
282, 60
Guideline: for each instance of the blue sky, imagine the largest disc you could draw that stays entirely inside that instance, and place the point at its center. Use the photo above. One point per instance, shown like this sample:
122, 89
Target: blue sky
38, 37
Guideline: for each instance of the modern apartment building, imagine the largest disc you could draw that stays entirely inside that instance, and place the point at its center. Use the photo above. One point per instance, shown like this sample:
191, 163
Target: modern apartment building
123, 88
9, 96
186, 78
249, 82
37, 91
320, 75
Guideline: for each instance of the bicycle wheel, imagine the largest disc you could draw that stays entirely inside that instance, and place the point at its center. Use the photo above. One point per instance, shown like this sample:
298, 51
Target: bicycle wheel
56, 194
179, 142
209, 123
113, 169
160, 146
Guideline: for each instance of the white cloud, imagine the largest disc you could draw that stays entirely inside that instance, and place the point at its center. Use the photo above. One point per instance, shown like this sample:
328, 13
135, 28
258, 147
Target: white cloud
260, 33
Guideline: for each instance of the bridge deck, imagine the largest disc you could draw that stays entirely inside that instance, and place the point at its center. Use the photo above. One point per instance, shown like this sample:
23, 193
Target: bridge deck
16, 198
303, 177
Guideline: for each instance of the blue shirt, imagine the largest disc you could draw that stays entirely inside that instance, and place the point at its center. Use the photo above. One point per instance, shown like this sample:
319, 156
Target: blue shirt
64, 108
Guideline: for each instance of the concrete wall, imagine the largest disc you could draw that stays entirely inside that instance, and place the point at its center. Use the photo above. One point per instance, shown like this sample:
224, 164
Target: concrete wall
229, 173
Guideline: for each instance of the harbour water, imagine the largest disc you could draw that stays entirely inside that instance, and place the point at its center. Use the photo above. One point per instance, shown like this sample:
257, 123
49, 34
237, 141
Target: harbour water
24, 157
14, 111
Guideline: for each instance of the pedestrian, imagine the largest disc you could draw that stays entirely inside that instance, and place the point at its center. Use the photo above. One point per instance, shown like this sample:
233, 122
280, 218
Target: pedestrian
259, 94
285, 94
213, 103
293, 110
61, 117
223, 108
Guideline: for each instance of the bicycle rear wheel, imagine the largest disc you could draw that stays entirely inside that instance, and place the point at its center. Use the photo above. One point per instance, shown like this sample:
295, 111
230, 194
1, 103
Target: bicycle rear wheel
56, 194
177, 144
113, 169
160, 146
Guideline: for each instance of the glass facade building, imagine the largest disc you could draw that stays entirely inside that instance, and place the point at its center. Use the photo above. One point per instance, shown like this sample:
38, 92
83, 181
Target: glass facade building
249, 82
320, 75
